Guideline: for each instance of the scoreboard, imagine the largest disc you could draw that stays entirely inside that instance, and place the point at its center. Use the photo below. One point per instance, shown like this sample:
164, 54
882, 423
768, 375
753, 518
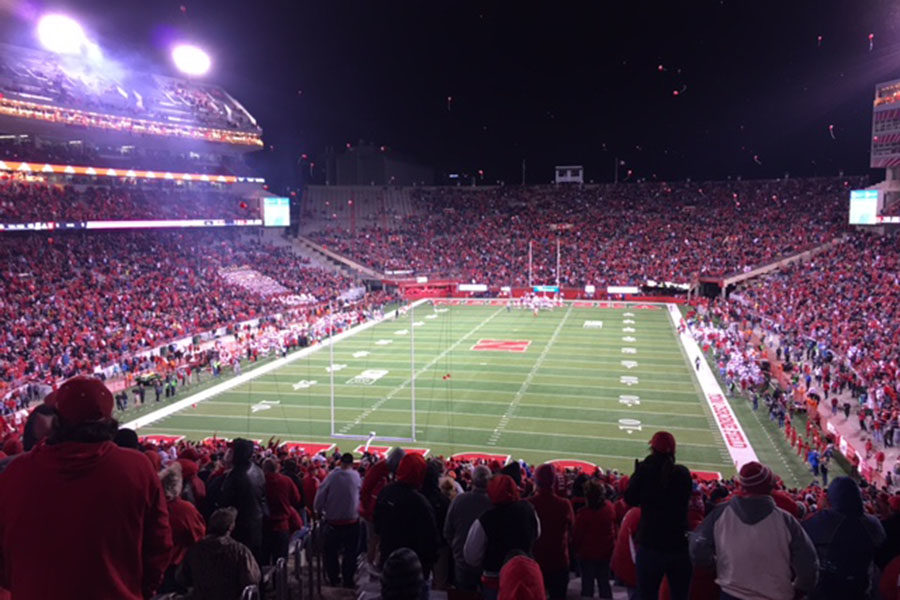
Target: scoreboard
886, 126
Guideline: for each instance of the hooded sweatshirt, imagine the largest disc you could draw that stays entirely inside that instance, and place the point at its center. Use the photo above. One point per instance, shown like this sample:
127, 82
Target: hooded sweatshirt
404, 518
511, 524
845, 539
521, 579
92, 515
463, 511
759, 551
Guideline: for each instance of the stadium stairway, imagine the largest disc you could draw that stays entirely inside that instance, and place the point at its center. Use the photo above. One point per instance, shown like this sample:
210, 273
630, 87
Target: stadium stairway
332, 260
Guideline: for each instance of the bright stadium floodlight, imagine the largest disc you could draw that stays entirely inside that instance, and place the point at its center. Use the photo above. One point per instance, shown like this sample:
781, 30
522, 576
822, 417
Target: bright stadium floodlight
61, 34
191, 60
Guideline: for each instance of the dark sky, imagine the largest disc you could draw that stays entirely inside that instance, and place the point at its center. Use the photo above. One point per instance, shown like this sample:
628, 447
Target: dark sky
547, 82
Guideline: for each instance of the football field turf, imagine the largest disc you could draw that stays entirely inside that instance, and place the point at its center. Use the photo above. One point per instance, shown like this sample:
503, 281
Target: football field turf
576, 382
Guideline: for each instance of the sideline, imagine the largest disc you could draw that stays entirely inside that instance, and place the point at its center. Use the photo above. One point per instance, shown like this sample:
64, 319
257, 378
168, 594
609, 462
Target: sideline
252, 374
733, 435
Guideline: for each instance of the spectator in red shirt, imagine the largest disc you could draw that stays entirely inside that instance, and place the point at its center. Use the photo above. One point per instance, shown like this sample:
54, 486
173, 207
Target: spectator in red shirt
551, 550
188, 526
625, 551
594, 535
283, 498
520, 579
79, 516
376, 478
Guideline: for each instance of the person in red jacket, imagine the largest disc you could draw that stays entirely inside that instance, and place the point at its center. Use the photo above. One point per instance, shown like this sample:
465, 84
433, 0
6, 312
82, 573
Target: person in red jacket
594, 535
520, 579
282, 496
377, 476
188, 526
79, 516
625, 551
551, 550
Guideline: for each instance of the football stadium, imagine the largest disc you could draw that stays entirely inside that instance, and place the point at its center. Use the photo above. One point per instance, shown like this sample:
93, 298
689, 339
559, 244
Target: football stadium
321, 302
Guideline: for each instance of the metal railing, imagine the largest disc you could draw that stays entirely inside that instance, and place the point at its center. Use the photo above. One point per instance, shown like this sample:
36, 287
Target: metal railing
251, 592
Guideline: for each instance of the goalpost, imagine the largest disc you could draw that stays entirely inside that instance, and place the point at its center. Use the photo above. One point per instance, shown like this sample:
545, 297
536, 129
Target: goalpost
371, 436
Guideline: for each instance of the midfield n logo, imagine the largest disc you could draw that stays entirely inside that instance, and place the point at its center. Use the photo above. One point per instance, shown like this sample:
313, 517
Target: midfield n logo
501, 345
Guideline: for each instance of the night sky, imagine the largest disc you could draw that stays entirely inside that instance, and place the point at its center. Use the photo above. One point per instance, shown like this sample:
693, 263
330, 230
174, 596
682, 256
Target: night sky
549, 82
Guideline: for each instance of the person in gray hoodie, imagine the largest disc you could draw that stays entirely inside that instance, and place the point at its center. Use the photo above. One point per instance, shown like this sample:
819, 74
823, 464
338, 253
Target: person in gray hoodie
463, 511
759, 551
846, 540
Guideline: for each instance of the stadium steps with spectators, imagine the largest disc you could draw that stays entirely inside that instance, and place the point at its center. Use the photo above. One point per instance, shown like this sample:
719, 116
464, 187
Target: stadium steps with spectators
336, 260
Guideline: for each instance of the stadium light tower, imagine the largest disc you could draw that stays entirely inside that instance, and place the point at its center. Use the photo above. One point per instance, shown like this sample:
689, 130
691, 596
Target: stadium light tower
191, 60
61, 34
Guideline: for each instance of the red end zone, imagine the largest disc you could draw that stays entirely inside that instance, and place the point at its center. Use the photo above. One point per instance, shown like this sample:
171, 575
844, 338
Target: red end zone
160, 438
501, 345
475, 456
707, 475
381, 451
310, 448
211, 440
562, 464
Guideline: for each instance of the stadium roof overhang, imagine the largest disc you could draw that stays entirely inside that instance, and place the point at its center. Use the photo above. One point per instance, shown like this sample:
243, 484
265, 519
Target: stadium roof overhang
66, 132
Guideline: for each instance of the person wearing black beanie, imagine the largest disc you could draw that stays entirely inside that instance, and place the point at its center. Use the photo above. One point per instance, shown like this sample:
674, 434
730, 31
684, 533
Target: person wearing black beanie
401, 576
244, 488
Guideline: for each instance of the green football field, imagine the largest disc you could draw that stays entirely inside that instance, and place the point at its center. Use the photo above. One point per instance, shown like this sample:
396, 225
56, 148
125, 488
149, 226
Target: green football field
591, 384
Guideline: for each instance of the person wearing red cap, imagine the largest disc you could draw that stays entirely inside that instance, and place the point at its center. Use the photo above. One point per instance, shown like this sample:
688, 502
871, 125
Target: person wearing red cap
510, 525
403, 517
79, 507
594, 536
551, 549
662, 489
757, 550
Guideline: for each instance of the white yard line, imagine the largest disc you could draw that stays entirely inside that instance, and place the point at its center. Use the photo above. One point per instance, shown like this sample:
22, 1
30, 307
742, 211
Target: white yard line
736, 441
243, 378
368, 412
514, 403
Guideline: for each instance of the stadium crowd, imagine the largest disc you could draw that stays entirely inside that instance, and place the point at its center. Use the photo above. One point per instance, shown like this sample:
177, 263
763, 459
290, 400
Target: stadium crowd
622, 234
207, 515
74, 301
88, 155
29, 202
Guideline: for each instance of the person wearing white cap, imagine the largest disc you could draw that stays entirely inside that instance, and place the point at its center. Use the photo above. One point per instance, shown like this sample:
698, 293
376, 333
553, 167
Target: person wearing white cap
759, 551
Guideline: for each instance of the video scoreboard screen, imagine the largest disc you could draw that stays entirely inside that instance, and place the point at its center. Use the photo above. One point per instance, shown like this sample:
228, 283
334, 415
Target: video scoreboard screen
276, 212
863, 207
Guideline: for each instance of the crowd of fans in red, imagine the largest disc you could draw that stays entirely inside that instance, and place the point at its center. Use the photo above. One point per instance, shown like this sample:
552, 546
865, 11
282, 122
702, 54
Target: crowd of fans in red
622, 234
88, 155
218, 510
29, 202
73, 301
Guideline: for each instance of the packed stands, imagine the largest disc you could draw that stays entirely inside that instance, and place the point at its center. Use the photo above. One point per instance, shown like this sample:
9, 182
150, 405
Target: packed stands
609, 235
84, 154
844, 304
74, 301
586, 514
27, 202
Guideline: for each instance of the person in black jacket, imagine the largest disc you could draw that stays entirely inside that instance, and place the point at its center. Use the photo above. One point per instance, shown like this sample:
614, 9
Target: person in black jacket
244, 487
846, 540
440, 503
404, 518
662, 490
510, 525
